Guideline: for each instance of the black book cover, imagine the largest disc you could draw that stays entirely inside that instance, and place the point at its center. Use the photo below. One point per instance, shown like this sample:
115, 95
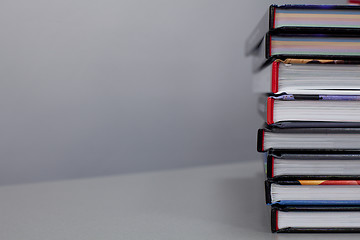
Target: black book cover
262, 55
309, 155
266, 25
320, 130
276, 209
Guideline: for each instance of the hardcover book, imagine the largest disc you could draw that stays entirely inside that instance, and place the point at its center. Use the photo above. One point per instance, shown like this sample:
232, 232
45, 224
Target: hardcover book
313, 192
305, 46
315, 219
300, 139
315, 19
319, 110
313, 165
309, 76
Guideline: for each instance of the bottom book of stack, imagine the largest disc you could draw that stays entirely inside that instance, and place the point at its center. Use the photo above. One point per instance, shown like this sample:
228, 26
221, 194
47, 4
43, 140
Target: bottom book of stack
315, 219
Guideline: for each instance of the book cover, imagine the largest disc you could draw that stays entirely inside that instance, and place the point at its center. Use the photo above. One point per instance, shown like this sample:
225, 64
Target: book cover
307, 118
305, 46
305, 19
317, 202
309, 156
292, 76
323, 136
332, 213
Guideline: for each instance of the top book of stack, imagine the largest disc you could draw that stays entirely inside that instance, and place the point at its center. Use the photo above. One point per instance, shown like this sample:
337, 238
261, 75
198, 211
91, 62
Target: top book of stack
306, 31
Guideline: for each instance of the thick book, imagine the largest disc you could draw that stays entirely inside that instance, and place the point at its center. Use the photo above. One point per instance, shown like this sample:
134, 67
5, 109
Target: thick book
315, 139
340, 19
319, 110
313, 165
313, 192
309, 76
315, 219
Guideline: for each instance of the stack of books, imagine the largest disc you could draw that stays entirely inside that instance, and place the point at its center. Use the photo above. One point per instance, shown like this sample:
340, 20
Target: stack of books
307, 69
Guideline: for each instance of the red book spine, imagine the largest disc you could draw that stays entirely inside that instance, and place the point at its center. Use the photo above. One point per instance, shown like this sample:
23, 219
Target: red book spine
272, 166
275, 77
277, 221
270, 111
260, 140
354, 2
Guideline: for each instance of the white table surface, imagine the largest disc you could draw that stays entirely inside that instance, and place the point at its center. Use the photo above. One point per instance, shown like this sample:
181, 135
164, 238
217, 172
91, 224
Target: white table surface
214, 202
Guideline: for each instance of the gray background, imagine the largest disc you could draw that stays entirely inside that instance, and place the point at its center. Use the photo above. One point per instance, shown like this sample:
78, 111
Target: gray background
93, 88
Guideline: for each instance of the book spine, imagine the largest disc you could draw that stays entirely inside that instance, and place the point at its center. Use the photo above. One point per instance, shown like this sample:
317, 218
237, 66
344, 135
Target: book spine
260, 140
275, 77
268, 46
357, 2
268, 192
274, 220
272, 12
270, 111
270, 166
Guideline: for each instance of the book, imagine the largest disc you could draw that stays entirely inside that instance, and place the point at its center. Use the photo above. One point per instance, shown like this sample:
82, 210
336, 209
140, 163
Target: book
315, 219
334, 109
313, 165
305, 46
309, 76
330, 139
315, 19
313, 192
306, 64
